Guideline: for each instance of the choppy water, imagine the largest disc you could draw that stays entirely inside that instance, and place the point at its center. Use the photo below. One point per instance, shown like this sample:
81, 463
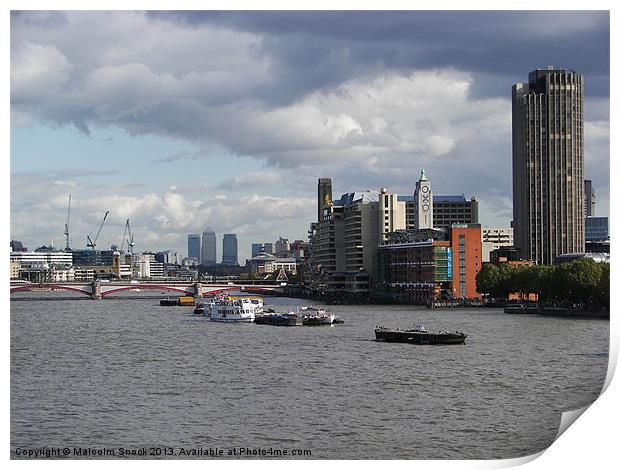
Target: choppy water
129, 373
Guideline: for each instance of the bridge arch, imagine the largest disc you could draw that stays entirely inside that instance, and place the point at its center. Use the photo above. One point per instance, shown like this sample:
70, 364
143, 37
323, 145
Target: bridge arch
29, 287
187, 291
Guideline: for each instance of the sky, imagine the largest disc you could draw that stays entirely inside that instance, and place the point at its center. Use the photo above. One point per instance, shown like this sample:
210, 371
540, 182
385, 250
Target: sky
186, 120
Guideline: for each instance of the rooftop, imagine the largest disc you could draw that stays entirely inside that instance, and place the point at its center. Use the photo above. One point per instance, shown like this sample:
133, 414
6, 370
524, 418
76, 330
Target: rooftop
358, 196
460, 198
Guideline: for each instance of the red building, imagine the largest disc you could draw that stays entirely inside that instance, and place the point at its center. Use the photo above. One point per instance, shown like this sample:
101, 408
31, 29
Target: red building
419, 265
466, 243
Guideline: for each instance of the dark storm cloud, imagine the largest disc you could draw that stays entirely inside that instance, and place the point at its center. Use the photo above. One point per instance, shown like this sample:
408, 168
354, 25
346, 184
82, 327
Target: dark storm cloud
367, 97
501, 46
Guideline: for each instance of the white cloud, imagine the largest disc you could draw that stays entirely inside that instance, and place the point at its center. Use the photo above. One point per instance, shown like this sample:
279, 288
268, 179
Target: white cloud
37, 71
246, 181
158, 220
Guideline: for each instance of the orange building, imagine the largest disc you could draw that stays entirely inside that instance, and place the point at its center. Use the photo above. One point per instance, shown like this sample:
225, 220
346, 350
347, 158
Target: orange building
466, 243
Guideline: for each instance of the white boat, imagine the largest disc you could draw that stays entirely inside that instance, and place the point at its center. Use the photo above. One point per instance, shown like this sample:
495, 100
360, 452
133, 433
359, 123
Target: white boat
231, 311
204, 307
256, 301
258, 304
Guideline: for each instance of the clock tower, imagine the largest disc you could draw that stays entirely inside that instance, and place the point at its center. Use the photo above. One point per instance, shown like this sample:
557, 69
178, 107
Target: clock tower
423, 203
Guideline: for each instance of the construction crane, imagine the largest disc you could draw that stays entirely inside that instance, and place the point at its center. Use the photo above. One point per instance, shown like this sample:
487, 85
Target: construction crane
124, 233
67, 248
93, 243
130, 242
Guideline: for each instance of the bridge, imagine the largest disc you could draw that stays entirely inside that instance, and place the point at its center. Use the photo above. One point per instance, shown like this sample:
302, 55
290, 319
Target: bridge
99, 290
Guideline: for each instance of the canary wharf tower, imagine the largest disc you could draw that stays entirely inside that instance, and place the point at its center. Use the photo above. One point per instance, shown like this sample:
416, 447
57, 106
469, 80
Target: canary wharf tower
547, 164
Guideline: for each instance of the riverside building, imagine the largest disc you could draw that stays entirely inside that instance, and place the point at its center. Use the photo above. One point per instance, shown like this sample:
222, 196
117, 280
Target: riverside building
494, 238
343, 243
442, 211
547, 164
415, 266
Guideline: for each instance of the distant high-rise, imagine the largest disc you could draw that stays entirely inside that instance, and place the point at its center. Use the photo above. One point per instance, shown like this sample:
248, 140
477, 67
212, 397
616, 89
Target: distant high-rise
589, 198
547, 164
281, 246
229, 249
257, 248
324, 196
597, 229
208, 254
193, 246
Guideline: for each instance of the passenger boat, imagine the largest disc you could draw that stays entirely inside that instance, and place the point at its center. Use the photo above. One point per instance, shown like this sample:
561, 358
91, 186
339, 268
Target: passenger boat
231, 311
418, 335
256, 301
202, 308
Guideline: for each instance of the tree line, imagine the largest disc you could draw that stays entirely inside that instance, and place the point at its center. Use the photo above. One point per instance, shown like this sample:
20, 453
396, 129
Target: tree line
583, 281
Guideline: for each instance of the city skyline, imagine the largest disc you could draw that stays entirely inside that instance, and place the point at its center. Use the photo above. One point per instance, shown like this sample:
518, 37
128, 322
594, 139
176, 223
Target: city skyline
333, 108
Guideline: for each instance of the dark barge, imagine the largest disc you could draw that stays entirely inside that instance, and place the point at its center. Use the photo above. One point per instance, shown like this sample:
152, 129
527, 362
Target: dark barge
521, 308
279, 319
418, 335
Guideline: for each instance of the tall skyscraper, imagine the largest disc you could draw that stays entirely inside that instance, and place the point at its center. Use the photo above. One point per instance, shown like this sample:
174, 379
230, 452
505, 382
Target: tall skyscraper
208, 254
423, 203
547, 164
324, 196
229, 249
589, 198
193, 246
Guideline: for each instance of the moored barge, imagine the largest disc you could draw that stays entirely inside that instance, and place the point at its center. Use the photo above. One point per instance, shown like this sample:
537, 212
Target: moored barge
418, 335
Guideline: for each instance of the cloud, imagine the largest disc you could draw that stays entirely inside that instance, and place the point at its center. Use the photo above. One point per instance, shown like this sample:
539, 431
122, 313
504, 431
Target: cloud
368, 98
159, 220
37, 71
251, 179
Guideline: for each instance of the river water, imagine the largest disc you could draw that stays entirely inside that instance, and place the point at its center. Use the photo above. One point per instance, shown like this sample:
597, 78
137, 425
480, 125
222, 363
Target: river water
127, 373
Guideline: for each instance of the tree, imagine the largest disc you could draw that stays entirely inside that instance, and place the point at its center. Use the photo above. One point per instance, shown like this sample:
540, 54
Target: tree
507, 280
578, 280
487, 279
542, 281
521, 280
602, 289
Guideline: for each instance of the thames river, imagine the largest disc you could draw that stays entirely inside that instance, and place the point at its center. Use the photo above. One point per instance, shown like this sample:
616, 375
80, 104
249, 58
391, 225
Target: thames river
129, 374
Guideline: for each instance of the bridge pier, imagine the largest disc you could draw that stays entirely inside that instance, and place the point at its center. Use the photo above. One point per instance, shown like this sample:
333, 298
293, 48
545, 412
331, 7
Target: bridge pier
197, 289
96, 290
